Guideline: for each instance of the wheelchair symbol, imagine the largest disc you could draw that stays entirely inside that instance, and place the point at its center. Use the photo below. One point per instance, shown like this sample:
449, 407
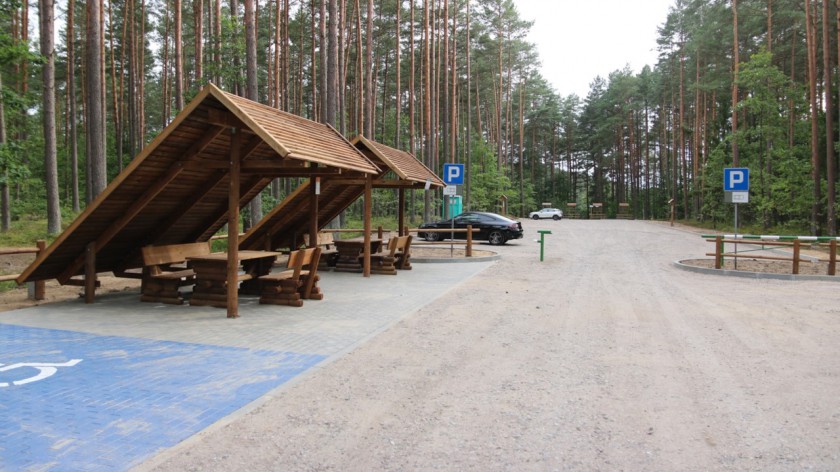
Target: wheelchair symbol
45, 369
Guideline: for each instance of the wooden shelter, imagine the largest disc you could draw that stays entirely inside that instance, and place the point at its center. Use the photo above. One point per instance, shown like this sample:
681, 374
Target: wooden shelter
211, 161
285, 225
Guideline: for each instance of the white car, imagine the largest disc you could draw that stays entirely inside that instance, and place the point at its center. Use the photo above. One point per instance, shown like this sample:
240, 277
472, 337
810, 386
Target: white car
553, 213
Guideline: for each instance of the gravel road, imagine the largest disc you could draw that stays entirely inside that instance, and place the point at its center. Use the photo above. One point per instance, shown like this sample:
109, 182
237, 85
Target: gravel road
602, 357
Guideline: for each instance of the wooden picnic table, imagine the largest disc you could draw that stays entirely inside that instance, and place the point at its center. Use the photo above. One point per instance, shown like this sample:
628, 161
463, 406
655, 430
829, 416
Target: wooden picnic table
349, 251
211, 275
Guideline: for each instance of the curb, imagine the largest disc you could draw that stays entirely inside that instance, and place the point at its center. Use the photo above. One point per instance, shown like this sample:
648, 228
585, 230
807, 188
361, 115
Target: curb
437, 260
755, 275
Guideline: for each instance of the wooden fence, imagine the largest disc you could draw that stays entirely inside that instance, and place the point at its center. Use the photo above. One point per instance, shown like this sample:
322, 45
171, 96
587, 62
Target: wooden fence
37, 288
793, 242
380, 233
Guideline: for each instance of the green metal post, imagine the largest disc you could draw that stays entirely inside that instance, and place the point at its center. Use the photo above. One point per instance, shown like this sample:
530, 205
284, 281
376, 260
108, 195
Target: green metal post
542, 242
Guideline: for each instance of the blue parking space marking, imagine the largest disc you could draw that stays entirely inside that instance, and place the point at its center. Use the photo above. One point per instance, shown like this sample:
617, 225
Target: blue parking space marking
77, 401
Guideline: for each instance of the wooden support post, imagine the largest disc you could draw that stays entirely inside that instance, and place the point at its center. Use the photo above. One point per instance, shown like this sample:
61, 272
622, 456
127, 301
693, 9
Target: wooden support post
380, 232
233, 227
832, 257
401, 212
90, 272
40, 285
796, 245
367, 215
313, 213
718, 252
468, 251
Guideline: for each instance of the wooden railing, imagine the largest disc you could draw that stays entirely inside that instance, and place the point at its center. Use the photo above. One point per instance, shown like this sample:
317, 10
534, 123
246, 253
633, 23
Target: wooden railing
38, 287
380, 233
793, 242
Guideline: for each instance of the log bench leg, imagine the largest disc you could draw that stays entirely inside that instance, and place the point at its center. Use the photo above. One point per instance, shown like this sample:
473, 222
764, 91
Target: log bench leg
162, 291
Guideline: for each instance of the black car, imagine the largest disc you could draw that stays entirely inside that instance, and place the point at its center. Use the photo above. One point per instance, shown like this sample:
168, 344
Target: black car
496, 229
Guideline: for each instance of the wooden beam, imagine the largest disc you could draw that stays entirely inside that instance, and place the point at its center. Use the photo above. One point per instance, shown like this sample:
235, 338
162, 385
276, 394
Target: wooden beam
233, 228
314, 186
206, 187
368, 206
90, 272
384, 183
140, 203
224, 118
401, 211
219, 217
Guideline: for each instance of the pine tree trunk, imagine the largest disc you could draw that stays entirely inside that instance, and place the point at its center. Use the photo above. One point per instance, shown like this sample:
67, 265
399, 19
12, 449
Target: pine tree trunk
179, 60
427, 104
811, 37
735, 65
71, 107
217, 40
251, 89
397, 80
333, 47
468, 170
198, 21
95, 132
323, 61
830, 156
369, 96
5, 197
46, 10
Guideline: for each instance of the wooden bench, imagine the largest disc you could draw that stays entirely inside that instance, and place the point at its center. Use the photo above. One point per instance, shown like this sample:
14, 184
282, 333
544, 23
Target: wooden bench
395, 256
329, 254
299, 281
165, 270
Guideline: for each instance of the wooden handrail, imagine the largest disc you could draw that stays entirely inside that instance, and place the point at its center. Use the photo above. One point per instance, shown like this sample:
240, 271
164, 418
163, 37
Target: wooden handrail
39, 285
796, 244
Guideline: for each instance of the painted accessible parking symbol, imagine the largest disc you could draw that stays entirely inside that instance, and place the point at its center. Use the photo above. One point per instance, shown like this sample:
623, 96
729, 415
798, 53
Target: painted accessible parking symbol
105, 403
45, 370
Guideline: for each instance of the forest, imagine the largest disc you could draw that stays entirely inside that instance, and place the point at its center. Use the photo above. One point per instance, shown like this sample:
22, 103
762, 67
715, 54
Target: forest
738, 83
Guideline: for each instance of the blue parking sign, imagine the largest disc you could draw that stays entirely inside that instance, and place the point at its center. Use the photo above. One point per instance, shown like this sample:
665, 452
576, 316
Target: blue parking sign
453, 174
736, 179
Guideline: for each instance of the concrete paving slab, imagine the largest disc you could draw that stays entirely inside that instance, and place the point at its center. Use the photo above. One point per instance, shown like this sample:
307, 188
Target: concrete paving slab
107, 385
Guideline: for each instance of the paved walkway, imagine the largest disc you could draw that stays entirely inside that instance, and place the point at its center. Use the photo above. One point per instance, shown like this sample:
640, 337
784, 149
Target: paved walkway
108, 385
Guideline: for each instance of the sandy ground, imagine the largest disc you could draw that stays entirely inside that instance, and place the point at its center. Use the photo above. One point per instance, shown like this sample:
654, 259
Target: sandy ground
602, 357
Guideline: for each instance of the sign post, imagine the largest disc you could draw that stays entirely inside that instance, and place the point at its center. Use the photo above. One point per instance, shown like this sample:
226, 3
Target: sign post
736, 189
453, 175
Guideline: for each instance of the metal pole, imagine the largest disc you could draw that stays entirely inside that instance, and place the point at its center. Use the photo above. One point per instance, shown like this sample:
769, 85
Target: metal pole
452, 233
736, 237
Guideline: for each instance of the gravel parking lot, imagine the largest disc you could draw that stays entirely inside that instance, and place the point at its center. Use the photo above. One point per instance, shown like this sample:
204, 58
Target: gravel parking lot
605, 356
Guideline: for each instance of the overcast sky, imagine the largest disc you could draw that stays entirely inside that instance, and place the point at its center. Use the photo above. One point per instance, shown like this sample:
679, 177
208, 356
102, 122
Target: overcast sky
578, 40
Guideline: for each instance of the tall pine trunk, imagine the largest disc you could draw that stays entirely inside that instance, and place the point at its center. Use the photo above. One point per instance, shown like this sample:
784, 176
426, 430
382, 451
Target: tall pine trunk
97, 180
46, 9
811, 37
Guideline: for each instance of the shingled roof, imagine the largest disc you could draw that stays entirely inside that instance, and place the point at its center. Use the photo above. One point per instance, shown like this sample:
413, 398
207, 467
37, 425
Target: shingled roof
285, 225
176, 189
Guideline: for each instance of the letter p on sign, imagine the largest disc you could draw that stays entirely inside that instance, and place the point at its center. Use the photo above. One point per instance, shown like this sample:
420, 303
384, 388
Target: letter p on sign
453, 174
736, 179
